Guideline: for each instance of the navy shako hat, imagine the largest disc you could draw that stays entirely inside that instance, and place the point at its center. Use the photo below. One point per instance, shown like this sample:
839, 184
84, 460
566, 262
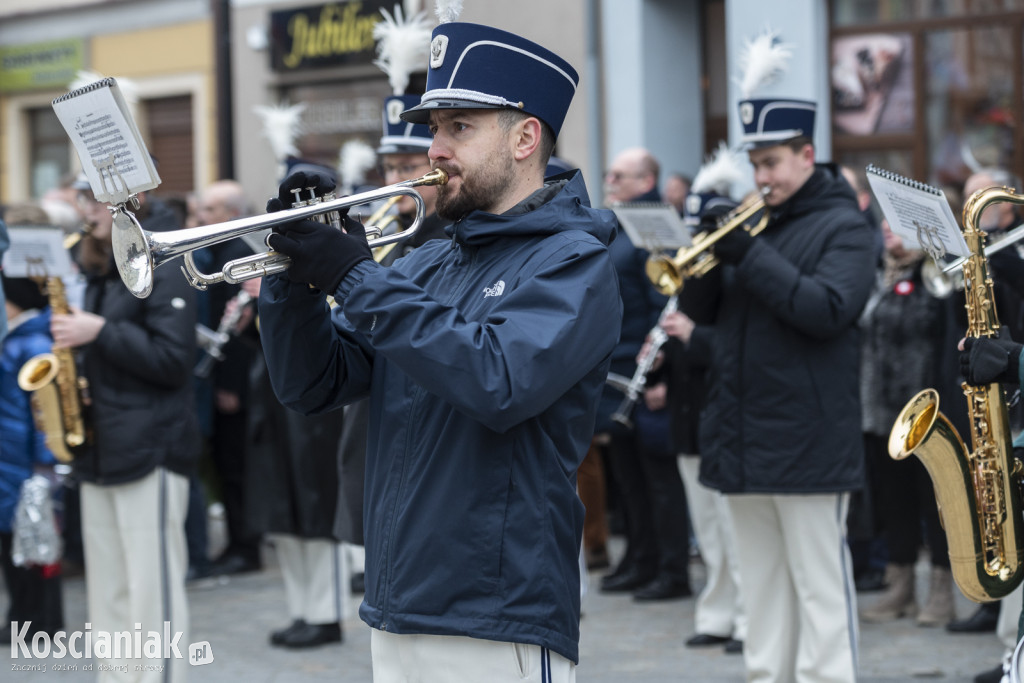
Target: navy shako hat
767, 122
480, 67
293, 165
402, 137
697, 204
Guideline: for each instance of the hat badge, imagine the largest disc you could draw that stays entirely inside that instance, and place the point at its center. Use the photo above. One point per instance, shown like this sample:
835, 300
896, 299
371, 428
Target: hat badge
747, 113
693, 204
438, 48
394, 111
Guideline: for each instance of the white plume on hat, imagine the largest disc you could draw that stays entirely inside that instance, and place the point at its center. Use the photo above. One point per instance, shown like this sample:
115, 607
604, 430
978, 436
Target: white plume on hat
127, 86
354, 160
281, 125
447, 11
762, 60
721, 172
403, 47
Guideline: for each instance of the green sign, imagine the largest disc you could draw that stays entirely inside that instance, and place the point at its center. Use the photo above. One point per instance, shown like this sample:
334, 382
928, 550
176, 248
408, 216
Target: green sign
40, 65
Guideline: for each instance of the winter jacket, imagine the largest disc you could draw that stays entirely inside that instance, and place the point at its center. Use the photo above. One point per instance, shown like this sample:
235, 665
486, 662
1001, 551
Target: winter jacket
642, 305
783, 407
483, 358
908, 343
22, 446
139, 371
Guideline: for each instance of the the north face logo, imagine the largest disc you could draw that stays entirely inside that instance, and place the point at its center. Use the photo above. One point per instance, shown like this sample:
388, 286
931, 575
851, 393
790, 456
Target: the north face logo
496, 290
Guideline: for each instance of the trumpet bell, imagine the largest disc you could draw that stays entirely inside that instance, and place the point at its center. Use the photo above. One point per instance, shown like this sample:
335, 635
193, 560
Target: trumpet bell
136, 263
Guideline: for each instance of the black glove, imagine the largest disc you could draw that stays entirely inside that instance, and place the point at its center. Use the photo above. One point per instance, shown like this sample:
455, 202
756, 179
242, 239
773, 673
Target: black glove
709, 219
321, 255
733, 246
985, 360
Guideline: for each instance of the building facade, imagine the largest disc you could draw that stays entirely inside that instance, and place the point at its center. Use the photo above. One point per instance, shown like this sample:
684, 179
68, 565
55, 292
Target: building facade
928, 88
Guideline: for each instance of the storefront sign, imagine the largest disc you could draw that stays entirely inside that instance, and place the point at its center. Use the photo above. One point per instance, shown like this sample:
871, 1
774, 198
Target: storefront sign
40, 65
335, 34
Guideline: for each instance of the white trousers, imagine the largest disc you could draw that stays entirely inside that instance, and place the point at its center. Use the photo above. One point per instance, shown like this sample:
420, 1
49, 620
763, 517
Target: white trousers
719, 609
311, 569
135, 557
798, 589
419, 658
1009, 615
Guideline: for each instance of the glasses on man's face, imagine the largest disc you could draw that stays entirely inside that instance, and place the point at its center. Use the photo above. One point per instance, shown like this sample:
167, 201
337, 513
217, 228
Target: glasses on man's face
619, 176
402, 170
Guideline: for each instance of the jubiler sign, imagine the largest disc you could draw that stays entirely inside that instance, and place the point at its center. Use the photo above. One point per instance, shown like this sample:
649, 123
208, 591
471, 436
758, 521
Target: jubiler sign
325, 35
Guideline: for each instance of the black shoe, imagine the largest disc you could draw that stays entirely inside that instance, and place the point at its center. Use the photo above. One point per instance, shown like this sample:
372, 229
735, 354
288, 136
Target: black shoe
734, 647
982, 621
991, 676
197, 571
872, 580
627, 581
234, 564
311, 635
597, 559
663, 588
357, 584
281, 635
705, 639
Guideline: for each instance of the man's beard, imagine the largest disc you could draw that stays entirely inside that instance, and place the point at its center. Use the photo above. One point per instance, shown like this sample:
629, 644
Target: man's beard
481, 190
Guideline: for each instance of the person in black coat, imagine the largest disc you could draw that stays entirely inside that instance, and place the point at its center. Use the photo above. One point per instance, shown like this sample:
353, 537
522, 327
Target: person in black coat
641, 461
780, 435
136, 355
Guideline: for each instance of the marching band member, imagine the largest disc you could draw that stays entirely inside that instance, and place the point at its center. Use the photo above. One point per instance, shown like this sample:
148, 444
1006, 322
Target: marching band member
483, 357
780, 436
137, 356
719, 615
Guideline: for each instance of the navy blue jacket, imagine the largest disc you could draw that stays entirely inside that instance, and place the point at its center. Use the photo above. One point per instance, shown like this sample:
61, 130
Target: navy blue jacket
483, 358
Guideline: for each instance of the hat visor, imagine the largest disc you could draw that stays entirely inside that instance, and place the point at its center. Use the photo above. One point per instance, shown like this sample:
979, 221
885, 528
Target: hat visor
421, 112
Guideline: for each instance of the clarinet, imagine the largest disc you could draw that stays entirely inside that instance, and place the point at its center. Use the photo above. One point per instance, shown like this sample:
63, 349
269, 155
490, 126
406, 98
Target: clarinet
633, 391
212, 341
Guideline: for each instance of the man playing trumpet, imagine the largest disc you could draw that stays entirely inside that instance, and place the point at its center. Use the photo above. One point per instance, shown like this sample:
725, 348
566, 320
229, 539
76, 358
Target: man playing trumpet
483, 357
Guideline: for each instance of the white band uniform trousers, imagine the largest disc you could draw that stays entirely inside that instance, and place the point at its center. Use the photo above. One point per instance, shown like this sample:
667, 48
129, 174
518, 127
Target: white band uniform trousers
719, 609
798, 589
421, 658
134, 541
311, 569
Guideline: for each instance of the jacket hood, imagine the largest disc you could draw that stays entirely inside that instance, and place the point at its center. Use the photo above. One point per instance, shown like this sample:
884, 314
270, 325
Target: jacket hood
565, 194
37, 324
822, 190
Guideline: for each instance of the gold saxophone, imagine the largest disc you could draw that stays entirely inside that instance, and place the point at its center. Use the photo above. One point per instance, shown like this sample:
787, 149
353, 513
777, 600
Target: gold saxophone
56, 389
977, 491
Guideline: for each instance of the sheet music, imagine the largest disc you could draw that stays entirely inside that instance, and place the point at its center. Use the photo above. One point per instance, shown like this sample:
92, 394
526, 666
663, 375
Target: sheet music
36, 251
918, 213
653, 226
109, 145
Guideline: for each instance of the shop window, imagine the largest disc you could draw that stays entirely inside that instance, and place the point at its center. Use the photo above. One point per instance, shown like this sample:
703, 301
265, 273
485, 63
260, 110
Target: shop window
934, 97
50, 152
171, 142
863, 12
970, 93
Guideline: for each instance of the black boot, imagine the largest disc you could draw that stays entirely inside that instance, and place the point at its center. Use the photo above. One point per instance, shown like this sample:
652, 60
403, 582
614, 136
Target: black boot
982, 621
279, 636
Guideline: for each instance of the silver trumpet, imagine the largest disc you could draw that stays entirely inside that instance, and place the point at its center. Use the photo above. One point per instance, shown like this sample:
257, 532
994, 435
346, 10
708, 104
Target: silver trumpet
137, 252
